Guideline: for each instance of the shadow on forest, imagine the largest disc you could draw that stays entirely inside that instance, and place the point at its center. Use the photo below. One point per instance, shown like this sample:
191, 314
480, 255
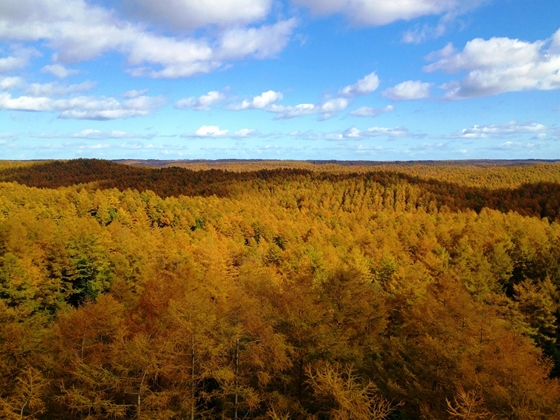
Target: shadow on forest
539, 199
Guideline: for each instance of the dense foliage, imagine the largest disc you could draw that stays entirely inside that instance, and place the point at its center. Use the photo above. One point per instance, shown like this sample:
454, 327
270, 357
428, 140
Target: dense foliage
310, 292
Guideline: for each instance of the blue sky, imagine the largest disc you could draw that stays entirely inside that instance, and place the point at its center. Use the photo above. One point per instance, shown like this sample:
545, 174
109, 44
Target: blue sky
280, 79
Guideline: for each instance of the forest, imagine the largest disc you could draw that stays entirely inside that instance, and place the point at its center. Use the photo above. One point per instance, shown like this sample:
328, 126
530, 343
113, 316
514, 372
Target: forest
279, 290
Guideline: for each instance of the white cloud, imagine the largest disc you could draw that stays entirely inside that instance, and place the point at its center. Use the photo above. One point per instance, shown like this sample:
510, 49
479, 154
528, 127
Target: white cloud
409, 90
214, 131
354, 133
246, 132
362, 87
326, 109
512, 128
555, 44
211, 131
18, 60
114, 134
293, 111
203, 103
79, 31
188, 57
331, 107
423, 33
131, 94
261, 101
263, 42
55, 89
11, 83
59, 71
381, 12
83, 107
191, 14
499, 65
367, 111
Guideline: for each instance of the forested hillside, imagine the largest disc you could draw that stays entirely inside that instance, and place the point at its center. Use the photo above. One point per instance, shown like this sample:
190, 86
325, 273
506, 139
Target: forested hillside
304, 292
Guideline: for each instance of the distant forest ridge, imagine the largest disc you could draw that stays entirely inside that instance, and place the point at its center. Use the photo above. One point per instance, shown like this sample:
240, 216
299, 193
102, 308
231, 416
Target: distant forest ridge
273, 162
528, 187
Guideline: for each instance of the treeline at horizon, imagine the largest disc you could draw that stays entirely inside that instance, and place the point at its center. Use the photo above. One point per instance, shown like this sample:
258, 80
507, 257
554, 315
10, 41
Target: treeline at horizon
314, 292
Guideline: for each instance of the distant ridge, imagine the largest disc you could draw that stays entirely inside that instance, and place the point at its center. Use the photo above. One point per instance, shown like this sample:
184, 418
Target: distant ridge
156, 163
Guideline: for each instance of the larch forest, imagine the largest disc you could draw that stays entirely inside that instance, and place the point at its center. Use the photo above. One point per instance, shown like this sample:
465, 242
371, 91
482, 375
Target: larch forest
279, 290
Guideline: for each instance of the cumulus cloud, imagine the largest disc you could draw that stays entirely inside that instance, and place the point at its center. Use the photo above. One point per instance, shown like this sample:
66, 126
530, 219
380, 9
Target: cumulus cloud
211, 131
261, 101
407, 91
382, 12
59, 71
362, 87
203, 103
83, 107
77, 31
191, 14
499, 65
367, 111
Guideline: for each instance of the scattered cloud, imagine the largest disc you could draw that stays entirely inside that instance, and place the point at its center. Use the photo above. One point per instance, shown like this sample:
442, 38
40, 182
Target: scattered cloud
262, 101
213, 131
266, 101
367, 111
512, 128
409, 90
203, 103
59, 71
382, 12
362, 87
499, 65
326, 109
114, 134
84, 107
354, 133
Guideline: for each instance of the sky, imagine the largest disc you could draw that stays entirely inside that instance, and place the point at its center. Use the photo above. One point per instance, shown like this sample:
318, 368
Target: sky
373, 80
